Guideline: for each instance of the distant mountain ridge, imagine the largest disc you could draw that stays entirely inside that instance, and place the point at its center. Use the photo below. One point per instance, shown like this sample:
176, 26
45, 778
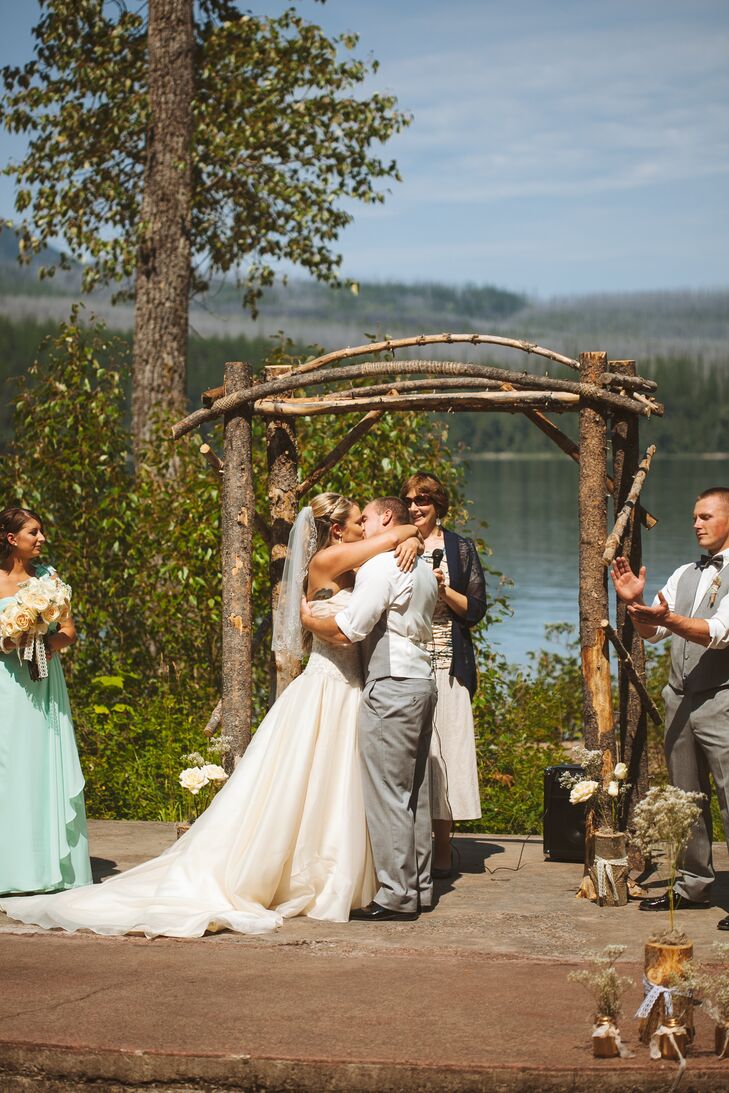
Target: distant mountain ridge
636, 325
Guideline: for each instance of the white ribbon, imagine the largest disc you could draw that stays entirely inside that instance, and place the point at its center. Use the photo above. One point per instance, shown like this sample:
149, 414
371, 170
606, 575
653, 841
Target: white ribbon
604, 869
607, 1030
652, 992
663, 1030
35, 650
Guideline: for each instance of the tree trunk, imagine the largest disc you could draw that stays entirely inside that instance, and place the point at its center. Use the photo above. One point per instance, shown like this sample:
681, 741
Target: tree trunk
597, 704
632, 716
592, 504
164, 254
238, 508
283, 481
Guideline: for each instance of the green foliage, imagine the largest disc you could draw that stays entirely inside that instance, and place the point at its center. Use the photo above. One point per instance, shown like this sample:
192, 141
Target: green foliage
132, 749
142, 556
281, 145
522, 717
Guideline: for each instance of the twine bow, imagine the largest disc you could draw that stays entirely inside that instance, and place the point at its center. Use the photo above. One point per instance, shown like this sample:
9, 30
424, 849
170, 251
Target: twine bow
604, 870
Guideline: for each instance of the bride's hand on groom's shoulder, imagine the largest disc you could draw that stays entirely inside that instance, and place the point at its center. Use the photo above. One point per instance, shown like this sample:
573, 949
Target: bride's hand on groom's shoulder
407, 552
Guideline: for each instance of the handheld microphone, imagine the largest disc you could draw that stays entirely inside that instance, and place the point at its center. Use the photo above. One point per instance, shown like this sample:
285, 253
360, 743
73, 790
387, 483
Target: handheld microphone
437, 557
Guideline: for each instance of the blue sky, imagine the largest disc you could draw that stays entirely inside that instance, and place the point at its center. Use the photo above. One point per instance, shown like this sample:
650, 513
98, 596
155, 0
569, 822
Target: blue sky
557, 147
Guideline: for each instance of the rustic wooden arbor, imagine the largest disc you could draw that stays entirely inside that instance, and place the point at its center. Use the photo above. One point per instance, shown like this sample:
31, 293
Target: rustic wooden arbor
610, 400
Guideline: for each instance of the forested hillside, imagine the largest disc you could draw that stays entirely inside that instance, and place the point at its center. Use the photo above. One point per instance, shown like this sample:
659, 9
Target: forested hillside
679, 339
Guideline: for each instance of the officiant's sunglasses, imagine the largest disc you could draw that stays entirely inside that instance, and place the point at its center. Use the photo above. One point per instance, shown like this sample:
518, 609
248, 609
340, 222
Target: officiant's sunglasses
419, 499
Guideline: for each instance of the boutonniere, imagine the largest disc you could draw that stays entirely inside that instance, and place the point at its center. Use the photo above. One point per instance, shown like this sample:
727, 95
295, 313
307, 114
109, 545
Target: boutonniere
714, 590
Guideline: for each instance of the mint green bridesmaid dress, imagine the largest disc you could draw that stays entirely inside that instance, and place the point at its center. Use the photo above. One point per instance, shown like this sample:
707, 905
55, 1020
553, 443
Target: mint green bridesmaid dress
43, 838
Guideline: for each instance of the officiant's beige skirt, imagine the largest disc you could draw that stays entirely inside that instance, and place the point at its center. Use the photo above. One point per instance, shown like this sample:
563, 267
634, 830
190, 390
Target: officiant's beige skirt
454, 791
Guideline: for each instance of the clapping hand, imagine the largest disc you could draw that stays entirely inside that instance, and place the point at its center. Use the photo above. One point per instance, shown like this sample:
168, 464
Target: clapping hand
628, 587
650, 616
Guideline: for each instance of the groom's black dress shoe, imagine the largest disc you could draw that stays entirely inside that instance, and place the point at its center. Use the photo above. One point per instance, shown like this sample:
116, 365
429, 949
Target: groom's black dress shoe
680, 903
374, 913
723, 923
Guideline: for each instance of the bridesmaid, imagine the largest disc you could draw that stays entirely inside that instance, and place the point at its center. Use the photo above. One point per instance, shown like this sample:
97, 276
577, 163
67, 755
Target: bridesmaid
454, 793
41, 784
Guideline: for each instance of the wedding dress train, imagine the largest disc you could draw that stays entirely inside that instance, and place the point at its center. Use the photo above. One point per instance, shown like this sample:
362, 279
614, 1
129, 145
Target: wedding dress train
285, 836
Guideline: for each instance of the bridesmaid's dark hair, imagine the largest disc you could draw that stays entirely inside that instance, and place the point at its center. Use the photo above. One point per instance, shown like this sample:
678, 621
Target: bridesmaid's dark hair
13, 520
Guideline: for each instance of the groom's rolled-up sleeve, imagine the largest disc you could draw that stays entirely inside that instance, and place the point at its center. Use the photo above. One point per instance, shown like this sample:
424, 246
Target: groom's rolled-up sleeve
373, 594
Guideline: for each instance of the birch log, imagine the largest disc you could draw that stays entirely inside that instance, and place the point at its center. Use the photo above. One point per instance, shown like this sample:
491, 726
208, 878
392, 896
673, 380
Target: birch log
633, 723
238, 507
593, 597
626, 510
283, 480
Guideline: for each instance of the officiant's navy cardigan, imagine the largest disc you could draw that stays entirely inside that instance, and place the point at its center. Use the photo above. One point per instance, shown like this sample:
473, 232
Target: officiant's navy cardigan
465, 575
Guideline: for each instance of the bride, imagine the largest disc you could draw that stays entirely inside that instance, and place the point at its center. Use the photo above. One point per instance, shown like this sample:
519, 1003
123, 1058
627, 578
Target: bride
286, 834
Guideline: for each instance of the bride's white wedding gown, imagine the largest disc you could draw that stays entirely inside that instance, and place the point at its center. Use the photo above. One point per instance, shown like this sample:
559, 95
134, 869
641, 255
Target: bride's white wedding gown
285, 836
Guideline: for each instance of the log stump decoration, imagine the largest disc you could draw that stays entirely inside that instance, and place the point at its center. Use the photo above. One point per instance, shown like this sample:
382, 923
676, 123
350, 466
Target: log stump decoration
609, 869
662, 962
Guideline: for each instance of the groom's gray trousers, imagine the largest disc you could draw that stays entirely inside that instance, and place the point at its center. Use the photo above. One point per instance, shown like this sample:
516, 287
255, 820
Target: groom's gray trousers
395, 726
697, 744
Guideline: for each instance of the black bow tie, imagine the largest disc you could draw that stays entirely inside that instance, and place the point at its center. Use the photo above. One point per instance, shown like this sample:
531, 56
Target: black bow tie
715, 560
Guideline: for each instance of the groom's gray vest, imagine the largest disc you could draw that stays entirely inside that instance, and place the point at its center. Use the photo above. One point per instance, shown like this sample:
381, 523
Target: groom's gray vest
376, 659
693, 667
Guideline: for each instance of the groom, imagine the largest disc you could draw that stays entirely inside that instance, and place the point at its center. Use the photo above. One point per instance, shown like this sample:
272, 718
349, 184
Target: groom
390, 612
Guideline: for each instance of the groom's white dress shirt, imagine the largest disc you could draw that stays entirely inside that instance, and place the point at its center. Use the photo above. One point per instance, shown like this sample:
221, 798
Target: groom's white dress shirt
409, 602
719, 621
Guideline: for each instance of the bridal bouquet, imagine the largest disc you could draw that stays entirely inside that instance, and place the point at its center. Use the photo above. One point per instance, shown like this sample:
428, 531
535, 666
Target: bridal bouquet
38, 603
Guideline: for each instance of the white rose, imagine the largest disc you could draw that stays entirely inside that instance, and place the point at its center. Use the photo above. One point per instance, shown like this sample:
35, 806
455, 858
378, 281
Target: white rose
214, 772
51, 614
34, 596
620, 772
20, 618
193, 779
613, 789
582, 791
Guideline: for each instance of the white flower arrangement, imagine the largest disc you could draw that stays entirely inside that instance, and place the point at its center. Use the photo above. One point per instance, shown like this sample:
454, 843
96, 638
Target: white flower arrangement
604, 983
38, 604
665, 817
605, 792
200, 778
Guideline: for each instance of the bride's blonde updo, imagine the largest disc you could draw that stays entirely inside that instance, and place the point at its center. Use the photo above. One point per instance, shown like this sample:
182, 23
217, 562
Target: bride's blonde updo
329, 508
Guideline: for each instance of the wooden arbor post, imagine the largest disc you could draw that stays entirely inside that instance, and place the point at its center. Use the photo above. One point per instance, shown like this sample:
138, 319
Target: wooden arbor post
238, 509
593, 597
283, 501
632, 713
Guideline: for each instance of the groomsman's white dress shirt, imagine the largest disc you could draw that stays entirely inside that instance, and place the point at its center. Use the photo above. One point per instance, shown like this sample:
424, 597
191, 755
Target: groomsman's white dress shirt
719, 622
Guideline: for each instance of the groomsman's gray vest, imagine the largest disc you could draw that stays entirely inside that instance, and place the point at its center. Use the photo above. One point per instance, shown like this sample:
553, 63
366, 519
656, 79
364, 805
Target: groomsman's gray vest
693, 667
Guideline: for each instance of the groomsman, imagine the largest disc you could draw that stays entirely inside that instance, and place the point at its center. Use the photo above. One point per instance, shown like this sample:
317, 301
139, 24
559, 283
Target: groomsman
693, 608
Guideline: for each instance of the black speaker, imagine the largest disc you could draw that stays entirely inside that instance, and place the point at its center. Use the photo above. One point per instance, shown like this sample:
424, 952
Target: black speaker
564, 824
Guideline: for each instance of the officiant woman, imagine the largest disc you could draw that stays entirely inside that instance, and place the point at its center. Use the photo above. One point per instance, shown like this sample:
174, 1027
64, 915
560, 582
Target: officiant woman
461, 605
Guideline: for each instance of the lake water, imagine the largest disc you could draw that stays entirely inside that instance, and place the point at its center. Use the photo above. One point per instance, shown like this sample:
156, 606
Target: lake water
530, 506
